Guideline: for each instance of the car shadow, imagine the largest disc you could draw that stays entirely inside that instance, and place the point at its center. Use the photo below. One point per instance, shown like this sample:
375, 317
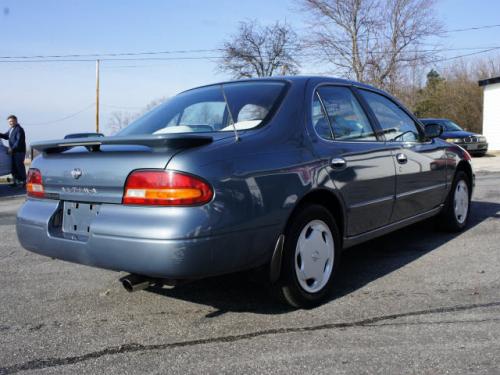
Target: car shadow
361, 265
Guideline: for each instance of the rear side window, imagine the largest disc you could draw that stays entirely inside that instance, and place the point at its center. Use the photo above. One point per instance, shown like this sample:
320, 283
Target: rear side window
320, 120
345, 115
206, 109
395, 123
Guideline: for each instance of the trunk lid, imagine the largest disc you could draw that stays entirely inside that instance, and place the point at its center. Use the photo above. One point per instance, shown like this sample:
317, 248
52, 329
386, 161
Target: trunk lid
95, 169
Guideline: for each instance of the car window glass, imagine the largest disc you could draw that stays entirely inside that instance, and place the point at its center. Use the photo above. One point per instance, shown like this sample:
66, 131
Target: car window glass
207, 113
452, 127
320, 122
205, 110
347, 118
396, 124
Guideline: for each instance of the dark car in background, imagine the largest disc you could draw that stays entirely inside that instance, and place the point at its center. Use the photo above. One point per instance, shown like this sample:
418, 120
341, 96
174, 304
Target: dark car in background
278, 174
5, 160
475, 144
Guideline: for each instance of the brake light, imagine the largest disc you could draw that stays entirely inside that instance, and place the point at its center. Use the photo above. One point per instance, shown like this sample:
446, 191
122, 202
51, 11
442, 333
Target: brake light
34, 184
165, 188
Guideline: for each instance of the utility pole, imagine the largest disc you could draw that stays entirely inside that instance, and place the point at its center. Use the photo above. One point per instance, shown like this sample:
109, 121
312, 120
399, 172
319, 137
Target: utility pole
97, 96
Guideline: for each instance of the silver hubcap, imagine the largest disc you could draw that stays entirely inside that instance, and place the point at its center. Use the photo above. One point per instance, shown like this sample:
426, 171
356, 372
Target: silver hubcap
314, 256
461, 201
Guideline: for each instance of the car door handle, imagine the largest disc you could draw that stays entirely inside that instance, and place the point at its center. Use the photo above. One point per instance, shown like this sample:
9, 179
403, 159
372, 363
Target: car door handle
401, 158
338, 163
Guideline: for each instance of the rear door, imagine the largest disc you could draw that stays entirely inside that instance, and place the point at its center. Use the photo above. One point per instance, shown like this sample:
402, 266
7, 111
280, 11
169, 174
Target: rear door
360, 166
420, 163
5, 160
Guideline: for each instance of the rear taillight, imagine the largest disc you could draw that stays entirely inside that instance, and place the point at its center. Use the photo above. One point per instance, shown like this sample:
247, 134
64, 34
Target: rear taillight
34, 184
165, 188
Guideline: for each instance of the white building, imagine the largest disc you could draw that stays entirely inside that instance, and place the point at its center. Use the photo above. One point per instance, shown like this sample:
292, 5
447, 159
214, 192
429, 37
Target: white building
491, 112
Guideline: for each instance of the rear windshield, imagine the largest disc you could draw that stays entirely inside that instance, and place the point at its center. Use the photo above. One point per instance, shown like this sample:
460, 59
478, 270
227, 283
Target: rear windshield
206, 109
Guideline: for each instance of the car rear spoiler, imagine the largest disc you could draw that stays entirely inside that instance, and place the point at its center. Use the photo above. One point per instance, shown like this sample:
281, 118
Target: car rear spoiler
157, 142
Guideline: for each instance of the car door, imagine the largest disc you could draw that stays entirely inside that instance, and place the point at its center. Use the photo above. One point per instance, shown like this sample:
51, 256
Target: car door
360, 166
5, 160
420, 163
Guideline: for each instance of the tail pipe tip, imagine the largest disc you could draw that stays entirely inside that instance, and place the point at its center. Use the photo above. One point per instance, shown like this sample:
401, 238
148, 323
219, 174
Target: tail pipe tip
133, 283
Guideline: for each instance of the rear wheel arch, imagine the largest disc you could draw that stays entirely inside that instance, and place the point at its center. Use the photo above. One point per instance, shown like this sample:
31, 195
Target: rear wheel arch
465, 167
325, 198
322, 197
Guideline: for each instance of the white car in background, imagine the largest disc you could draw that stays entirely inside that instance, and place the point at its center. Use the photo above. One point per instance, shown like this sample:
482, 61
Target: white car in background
5, 161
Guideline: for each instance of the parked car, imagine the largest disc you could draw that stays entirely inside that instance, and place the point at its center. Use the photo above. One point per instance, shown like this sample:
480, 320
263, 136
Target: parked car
475, 144
5, 160
245, 174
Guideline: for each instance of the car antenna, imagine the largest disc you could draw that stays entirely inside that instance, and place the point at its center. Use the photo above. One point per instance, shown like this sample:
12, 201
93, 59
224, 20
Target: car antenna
236, 136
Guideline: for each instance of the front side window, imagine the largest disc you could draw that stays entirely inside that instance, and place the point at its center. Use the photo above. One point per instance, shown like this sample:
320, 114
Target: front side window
244, 105
395, 123
347, 118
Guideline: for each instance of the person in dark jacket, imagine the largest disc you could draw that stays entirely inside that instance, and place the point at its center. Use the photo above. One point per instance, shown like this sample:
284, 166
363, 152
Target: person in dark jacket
17, 150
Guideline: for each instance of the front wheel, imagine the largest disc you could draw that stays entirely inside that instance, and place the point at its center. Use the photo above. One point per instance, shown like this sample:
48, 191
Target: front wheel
311, 256
457, 206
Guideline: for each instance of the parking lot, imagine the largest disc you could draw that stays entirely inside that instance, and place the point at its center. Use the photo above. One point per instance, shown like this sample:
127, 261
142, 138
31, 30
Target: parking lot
415, 301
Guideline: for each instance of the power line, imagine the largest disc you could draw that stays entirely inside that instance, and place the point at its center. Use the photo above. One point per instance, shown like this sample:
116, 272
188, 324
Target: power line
113, 59
61, 119
99, 55
465, 55
485, 49
103, 56
472, 28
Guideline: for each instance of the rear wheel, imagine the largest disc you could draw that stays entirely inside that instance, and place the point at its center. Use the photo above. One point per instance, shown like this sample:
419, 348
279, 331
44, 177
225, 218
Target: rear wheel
456, 210
311, 256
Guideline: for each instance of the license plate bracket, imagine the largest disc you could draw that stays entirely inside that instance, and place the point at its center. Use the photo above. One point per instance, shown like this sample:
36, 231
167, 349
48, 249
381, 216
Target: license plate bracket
78, 217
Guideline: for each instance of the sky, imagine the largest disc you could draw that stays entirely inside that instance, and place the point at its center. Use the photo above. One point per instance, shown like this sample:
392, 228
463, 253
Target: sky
54, 99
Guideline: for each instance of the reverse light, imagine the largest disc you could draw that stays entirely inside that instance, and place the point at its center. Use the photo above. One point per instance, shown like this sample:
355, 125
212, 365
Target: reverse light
165, 188
34, 184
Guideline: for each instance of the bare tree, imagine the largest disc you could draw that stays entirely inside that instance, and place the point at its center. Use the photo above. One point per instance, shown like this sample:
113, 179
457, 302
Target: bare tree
256, 51
121, 119
487, 67
371, 40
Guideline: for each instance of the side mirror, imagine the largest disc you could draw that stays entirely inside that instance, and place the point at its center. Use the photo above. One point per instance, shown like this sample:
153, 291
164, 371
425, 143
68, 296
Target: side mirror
433, 130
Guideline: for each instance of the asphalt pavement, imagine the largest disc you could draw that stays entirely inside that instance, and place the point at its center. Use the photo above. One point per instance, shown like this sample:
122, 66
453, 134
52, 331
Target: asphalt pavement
417, 301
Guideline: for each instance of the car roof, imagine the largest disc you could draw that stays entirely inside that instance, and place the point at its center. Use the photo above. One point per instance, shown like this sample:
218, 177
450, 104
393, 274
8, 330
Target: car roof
296, 79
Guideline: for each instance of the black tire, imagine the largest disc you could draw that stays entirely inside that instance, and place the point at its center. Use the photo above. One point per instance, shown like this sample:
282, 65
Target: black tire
448, 219
312, 219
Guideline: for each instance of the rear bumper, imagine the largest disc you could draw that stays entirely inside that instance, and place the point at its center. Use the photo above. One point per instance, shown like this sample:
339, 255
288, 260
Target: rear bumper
145, 247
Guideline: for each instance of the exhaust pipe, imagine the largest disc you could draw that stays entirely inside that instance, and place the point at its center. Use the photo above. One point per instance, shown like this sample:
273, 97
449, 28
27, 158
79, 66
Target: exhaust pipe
133, 283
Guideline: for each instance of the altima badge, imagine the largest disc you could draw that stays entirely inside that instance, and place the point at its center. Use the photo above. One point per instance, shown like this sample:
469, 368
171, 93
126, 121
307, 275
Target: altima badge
76, 173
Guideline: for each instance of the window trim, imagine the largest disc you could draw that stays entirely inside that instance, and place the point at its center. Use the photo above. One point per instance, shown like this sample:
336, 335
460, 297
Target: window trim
374, 127
325, 114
